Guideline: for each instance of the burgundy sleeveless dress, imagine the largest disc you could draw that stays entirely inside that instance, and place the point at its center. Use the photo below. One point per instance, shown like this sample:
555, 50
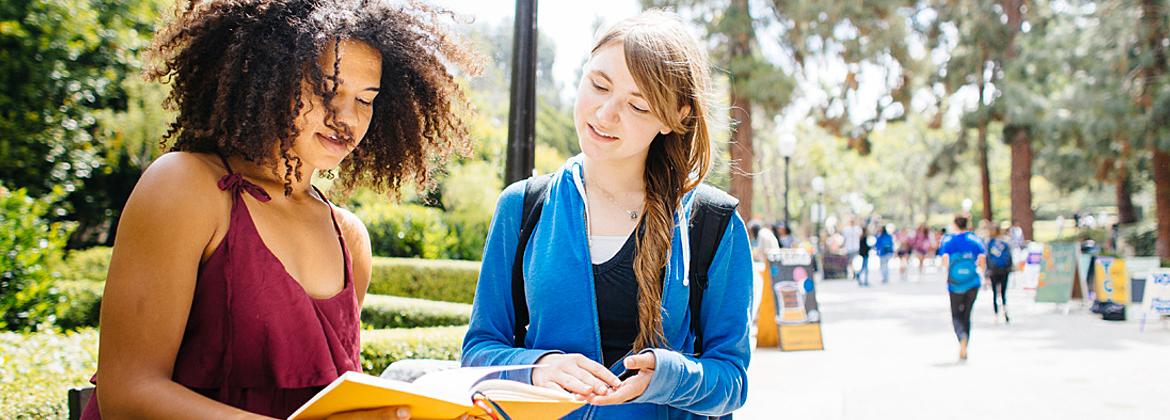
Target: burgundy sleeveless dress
255, 339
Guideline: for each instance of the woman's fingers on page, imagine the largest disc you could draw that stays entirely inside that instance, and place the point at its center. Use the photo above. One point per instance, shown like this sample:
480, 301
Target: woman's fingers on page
630, 389
605, 378
385, 413
573, 384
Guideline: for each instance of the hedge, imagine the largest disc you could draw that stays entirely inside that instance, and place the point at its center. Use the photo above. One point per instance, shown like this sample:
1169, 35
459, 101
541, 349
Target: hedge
90, 264
381, 312
380, 348
82, 301
442, 280
80, 289
36, 370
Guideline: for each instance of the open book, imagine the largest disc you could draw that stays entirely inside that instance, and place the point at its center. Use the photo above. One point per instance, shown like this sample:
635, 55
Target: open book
444, 394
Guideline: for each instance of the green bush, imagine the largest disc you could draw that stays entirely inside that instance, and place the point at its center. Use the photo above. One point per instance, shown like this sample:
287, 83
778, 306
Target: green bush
36, 371
380, 312
442, 280
90, 264
32, 250
380, 348
406, 230
81, 303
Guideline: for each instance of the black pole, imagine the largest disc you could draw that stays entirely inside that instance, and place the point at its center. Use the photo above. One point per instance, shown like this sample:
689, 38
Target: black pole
787, 224
522, 108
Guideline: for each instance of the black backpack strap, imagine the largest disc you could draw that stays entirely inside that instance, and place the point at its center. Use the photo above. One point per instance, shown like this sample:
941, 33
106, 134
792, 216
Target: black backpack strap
712, 211
534, 192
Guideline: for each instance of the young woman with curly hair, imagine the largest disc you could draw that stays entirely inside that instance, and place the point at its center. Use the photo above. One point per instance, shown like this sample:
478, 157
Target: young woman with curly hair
605, 270
235, 286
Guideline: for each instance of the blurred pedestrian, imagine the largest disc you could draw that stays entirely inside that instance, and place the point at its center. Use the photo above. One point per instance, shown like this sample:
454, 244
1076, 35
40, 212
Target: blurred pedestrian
962, 254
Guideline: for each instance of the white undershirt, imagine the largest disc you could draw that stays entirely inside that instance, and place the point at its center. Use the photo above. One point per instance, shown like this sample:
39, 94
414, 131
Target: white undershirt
604, 247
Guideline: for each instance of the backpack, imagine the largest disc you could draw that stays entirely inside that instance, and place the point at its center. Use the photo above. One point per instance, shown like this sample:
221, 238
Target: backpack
962, 269
712, 212
999, 257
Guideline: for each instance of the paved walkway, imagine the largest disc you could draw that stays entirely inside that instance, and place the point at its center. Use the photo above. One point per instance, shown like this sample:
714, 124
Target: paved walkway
891, 354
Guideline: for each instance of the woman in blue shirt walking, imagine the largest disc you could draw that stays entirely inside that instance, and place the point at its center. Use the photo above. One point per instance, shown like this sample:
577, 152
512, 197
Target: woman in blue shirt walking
605, 270
963, 255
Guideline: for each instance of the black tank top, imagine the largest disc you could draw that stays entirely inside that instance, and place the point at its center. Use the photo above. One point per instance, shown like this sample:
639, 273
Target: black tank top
616, 288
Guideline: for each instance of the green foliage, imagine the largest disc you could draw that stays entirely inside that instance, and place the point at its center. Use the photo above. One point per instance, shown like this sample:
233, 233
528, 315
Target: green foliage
380, 312
90, 264
380, 348
469, 195
448, 281
405, 230
32, 248
37, 369
62, 61
80, 303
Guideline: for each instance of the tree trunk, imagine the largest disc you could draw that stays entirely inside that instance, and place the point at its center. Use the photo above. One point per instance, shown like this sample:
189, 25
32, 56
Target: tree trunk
1126, 213
742, 153
1153, 16
984, 172
1021, 142
1162, 199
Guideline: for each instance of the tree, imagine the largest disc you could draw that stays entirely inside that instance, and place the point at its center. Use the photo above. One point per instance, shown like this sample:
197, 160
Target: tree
64, 67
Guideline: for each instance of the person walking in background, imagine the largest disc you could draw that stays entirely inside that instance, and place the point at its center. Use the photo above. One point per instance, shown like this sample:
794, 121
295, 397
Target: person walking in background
862, 276
922, 246
999, 267
852, 234
962, 255
885, 250
904, 246
784, 236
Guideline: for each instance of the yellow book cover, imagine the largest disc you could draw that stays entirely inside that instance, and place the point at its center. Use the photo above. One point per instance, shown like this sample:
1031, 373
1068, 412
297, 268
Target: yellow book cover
444, 394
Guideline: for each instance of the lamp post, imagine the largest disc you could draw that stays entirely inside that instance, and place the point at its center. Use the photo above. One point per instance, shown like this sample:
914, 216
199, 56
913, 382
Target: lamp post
787, 149
522, 103
818, 186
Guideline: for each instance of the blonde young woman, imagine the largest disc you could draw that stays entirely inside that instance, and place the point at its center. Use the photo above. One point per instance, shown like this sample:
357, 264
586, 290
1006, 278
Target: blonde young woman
605, 270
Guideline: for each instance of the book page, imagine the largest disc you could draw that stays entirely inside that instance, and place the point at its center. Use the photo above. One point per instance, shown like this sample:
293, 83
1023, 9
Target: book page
457, 384
505, 390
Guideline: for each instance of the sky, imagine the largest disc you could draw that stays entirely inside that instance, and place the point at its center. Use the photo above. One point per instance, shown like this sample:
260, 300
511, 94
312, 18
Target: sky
570, 26
568, 23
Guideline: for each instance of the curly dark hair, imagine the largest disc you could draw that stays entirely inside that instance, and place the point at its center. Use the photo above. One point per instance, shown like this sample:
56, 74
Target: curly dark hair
236, 68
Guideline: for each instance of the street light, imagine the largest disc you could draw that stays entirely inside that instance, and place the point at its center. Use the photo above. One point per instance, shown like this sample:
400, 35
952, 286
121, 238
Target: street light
787, 148
818, 186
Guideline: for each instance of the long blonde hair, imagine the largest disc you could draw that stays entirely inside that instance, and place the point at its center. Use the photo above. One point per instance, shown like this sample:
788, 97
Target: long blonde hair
671, 72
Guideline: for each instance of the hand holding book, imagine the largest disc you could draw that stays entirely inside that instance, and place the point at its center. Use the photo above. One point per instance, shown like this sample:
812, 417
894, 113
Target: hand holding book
447, 394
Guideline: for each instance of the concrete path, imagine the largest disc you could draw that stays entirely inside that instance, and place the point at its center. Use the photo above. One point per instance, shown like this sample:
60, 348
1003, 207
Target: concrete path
891, 354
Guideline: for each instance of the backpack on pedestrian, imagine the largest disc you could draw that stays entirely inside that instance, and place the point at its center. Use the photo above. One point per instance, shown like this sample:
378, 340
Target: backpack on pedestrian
999, 257
963, 270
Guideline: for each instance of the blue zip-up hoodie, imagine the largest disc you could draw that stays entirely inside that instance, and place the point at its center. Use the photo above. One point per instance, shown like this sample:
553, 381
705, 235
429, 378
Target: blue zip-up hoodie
563, 308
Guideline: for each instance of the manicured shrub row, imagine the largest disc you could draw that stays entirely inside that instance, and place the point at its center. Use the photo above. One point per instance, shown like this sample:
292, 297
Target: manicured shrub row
442, 280
382, 312
380, 348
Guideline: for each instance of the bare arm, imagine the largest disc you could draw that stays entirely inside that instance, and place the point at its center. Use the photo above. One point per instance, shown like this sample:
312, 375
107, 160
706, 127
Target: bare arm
167, 227
357, 238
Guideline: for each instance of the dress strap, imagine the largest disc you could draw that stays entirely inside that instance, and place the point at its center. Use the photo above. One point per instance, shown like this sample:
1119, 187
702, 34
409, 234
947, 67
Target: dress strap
332, 216
236, 183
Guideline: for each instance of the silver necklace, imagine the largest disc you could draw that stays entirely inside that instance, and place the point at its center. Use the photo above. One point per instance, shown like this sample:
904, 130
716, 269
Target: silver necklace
633, 213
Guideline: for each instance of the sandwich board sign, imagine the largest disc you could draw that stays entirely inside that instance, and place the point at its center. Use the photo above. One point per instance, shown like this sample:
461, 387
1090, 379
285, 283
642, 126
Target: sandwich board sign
1058, 271
794, 289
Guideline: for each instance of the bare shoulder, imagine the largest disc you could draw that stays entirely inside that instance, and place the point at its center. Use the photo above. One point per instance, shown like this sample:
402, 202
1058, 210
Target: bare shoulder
181, 186
184, 173
353, 230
